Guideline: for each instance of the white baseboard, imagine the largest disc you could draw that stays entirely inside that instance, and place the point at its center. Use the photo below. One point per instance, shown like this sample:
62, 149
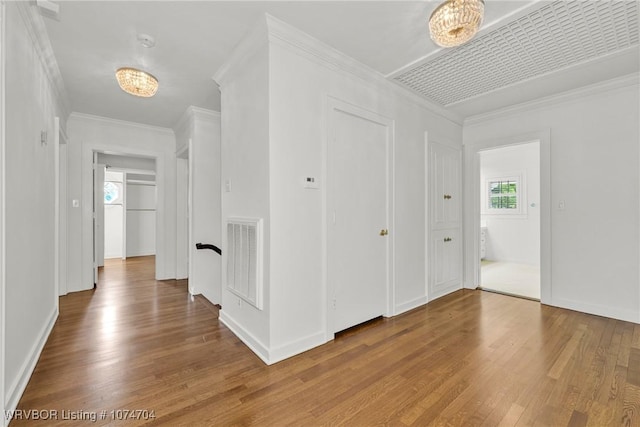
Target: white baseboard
14, 392
147, 252
410, 305
598, 310
271, 356
439, 293
296, 347
252, 342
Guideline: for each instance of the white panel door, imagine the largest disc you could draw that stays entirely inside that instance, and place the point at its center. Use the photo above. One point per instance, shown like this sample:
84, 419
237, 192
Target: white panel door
358, 244
446, 189
446, 268
444, 258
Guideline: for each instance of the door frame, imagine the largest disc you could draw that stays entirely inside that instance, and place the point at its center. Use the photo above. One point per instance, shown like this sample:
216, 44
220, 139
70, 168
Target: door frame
87, 212
338, 105
472, 198
2, 211
184, 237
61, 140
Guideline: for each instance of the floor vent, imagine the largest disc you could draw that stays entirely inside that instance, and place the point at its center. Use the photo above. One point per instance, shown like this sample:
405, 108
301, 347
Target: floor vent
244, 259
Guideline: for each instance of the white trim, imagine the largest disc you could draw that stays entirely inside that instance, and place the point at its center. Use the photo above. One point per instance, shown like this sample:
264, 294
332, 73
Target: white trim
296, 347
472, 214
249, 46
250, 341
14, 392
37, 30
56, 209
140, 182
190, 239
277, 354
3, 334
134, 171
190, 115
287, 36
563, 97
410, 305
110, 121
596, 309
335, 104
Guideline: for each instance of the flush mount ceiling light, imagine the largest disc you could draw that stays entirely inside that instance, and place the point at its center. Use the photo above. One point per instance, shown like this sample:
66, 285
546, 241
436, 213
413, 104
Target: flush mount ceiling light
455, 22
137, 82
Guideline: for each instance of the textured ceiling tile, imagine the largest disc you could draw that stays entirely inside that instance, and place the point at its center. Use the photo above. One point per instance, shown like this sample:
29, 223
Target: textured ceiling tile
553, 37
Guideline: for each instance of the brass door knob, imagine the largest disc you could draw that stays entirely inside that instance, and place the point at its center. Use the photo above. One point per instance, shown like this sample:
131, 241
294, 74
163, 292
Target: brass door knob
384, 232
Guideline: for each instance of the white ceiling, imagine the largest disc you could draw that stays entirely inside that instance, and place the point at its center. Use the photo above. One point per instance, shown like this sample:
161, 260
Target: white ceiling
91, 39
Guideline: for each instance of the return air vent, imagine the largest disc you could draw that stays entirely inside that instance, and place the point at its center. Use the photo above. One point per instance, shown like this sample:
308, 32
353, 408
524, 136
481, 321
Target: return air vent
556, 36
244, 259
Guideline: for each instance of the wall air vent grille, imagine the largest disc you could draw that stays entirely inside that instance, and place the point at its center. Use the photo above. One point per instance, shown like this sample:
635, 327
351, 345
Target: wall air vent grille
556, 36
244, 259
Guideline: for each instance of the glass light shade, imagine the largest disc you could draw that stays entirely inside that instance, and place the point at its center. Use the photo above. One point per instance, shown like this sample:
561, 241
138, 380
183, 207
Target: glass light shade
137, 82
455, 22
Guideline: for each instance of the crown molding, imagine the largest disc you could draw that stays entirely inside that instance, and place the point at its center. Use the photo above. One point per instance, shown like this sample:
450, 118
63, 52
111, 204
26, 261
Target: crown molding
250, 44
38, 32
193, 113
563, 97
116, 122
285, 35
203, 113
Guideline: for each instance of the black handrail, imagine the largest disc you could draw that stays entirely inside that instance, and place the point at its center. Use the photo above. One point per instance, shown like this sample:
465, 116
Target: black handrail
209, 246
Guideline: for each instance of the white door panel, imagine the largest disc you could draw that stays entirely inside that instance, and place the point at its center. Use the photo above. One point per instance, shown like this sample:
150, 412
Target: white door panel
444, 258
445, 189
358, 211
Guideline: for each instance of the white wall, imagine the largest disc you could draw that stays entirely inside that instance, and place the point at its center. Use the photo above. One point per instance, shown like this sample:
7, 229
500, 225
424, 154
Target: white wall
199, 133
245, 165
266, 162
141, 219
2, 216
513, 237
595, 163
29, 301
90, 133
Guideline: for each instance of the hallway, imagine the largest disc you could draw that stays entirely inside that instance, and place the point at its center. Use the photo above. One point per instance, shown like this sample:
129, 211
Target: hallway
467, 358
132, 343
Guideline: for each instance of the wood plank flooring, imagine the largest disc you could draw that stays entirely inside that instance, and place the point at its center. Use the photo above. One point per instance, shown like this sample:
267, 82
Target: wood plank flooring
472, 358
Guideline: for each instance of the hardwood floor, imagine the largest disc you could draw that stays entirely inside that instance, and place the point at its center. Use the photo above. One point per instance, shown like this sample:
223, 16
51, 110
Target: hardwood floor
470, 358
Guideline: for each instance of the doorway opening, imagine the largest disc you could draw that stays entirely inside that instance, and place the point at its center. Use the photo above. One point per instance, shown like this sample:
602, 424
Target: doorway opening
359, 244
124, 209
510, 195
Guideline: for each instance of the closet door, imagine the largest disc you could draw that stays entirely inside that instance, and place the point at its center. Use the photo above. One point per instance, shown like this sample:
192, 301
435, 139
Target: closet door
444, 249
358, 218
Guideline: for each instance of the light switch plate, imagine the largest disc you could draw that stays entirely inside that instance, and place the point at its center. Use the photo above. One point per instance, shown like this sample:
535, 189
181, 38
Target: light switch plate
310, 182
